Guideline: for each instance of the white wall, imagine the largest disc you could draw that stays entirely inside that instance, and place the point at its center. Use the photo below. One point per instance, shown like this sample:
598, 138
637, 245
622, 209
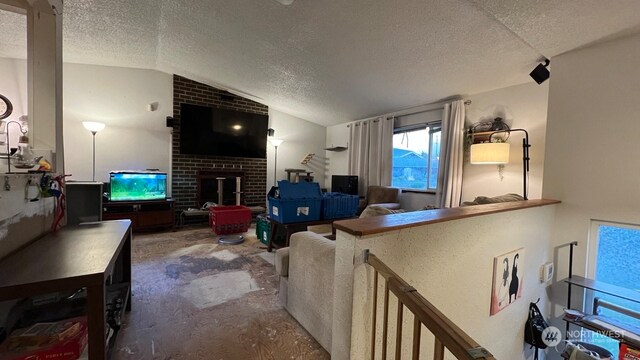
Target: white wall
337, 161
521, 106
134, 138
300, 137
592, 161
22, 221
13, 73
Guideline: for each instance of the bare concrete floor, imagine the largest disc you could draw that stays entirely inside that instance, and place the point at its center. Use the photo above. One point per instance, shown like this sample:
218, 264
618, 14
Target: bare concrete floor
194, 299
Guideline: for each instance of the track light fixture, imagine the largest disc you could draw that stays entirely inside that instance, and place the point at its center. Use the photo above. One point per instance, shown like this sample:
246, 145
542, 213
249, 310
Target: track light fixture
541, 73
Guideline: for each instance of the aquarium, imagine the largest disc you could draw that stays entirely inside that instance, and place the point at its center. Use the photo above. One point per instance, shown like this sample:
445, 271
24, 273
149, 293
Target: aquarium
133, 186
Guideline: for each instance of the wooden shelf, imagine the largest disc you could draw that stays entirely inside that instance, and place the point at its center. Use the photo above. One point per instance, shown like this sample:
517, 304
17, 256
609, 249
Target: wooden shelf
336, 148
613, 328
599, 286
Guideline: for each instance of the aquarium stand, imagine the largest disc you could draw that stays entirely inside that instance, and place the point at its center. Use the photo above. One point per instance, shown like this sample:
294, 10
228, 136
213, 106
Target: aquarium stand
144, 215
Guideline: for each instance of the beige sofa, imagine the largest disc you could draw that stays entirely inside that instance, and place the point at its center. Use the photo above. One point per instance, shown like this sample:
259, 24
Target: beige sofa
306, 270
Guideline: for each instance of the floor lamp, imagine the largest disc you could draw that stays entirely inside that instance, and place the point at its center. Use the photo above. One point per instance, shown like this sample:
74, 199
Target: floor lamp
94, 127
275, 143
498, 153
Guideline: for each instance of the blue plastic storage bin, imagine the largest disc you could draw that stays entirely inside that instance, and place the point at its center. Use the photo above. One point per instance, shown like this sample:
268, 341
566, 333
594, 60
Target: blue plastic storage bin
338, 205
295, 202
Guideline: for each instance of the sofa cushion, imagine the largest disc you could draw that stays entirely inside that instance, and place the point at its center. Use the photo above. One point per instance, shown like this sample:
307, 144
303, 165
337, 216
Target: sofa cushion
378, 210
492, 200
282, 261
391, 206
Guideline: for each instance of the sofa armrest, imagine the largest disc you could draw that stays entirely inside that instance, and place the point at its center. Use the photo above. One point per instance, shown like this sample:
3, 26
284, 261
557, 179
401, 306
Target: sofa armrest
310, 284
312, 247
282, 262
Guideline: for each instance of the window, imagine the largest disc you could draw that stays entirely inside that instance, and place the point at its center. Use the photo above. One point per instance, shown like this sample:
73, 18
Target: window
615, 262
416, 157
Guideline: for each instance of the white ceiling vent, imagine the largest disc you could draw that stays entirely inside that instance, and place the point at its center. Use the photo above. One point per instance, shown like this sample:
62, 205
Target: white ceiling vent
285, 2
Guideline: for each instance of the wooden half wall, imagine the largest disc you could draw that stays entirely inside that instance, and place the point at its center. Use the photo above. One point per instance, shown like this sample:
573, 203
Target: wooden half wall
447, 255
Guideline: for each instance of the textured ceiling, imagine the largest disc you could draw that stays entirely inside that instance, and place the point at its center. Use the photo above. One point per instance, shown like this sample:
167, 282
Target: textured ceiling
332, 61
13, 35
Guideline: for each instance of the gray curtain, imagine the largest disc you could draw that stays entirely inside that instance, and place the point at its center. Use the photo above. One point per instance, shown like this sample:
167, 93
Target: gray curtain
371, 152
449, 192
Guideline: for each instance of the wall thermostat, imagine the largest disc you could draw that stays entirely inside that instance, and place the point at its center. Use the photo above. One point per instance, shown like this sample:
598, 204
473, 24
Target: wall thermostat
546, 272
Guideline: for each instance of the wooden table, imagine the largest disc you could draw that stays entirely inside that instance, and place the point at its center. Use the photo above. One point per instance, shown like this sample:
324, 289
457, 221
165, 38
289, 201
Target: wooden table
74, 257
292, 228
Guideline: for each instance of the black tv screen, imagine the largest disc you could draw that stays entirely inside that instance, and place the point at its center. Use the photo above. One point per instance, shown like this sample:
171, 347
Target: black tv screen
209, 131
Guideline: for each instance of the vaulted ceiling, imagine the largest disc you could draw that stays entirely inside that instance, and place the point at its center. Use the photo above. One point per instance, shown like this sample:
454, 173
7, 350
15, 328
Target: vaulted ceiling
332, 61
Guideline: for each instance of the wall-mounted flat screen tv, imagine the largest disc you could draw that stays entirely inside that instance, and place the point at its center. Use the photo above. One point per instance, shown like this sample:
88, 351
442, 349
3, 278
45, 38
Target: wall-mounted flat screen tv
208, 131
137, 185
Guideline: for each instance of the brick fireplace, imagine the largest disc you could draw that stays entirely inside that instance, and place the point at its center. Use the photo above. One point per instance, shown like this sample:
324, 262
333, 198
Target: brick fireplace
192, 173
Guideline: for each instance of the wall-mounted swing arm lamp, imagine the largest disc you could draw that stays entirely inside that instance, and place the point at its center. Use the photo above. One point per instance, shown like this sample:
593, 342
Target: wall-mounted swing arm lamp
498, 153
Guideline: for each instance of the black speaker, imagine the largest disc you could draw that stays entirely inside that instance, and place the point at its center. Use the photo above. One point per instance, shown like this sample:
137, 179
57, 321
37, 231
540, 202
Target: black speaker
170, 121
346, 184
540, 74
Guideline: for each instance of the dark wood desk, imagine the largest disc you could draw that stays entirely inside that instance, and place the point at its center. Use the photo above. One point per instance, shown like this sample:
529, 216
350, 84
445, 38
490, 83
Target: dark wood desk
74, 257
292, 228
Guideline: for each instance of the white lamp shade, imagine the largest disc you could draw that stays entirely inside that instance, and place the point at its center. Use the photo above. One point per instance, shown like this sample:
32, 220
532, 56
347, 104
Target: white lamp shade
93, 126
276, 142
490, 153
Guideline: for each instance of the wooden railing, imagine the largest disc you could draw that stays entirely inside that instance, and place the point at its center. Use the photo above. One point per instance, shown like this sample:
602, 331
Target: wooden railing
447, 334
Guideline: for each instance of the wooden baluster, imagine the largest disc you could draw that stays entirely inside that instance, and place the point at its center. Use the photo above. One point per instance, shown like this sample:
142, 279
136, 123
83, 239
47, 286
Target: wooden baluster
438, 351
385, 320
373, 320
399, 331
417, 326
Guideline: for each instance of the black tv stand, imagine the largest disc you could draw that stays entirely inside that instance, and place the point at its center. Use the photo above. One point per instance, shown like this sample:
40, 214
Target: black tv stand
144, 215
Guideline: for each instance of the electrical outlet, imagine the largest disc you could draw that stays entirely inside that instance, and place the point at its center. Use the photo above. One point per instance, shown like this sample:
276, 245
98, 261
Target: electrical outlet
546, 272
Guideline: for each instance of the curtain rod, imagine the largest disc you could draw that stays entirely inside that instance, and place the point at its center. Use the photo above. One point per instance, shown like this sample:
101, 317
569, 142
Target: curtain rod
398, 113
427, 108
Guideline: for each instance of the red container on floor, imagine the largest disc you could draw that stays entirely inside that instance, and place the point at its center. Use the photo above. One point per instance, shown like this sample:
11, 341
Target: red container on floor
229, 219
